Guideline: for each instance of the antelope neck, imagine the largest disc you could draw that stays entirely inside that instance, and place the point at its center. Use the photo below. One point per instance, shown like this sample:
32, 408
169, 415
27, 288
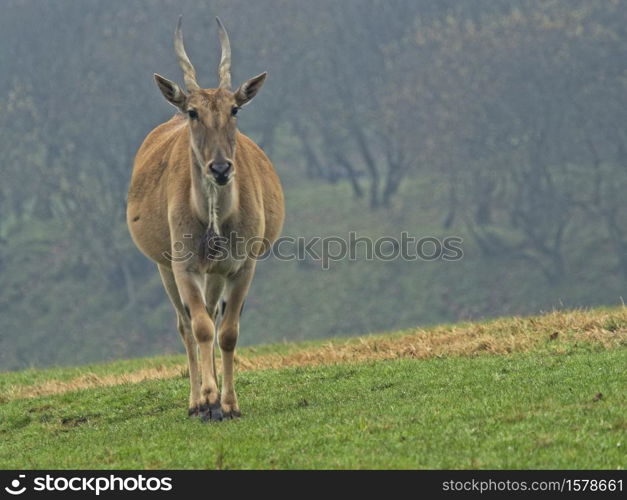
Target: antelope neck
211, 204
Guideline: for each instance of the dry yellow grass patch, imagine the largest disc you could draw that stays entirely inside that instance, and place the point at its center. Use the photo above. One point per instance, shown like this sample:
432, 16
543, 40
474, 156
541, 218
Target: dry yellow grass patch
91, 380
500, 336
559, 330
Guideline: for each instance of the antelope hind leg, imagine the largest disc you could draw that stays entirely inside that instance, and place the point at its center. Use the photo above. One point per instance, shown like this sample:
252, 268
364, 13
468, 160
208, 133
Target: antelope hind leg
185, 329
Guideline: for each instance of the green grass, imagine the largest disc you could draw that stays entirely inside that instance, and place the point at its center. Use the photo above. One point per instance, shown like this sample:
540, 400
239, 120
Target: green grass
530, 410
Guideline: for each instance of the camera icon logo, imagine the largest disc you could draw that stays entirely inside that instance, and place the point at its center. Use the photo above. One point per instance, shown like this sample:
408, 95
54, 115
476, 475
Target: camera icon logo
15, 489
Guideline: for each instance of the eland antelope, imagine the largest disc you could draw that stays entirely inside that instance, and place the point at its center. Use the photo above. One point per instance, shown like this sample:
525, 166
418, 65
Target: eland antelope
197, 180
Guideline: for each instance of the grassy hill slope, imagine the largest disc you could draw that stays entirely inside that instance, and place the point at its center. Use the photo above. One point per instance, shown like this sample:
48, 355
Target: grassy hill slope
541, 392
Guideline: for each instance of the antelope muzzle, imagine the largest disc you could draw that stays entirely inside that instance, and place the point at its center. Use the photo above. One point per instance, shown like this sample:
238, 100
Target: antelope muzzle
222, 171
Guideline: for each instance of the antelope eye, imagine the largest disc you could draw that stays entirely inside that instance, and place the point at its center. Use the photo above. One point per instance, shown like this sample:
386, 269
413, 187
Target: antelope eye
234, 110
193, 114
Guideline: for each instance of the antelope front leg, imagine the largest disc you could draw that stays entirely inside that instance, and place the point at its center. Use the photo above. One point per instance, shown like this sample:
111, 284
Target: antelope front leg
203, 329
227, 338
184, 328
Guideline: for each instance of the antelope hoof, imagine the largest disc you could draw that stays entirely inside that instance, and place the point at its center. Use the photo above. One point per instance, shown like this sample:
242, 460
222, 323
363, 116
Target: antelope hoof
231, 414
193, 412
211, 412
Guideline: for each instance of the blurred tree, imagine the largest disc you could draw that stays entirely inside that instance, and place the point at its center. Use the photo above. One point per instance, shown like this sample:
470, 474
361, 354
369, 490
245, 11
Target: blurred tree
508, 100
505, 118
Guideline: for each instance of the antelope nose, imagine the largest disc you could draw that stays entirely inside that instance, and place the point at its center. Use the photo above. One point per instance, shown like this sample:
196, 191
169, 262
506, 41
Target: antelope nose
221, 169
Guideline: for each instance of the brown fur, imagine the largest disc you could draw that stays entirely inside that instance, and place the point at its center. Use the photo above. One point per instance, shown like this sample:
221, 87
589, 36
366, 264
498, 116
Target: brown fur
170, 221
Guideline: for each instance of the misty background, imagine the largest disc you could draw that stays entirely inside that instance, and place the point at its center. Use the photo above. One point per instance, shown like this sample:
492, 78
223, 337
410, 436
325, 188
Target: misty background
500, 122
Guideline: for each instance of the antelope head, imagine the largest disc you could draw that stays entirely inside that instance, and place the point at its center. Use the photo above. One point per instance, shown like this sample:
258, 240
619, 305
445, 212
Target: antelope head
211, 113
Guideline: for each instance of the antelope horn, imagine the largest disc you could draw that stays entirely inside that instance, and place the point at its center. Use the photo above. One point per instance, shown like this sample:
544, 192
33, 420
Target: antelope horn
189, 73
224, 70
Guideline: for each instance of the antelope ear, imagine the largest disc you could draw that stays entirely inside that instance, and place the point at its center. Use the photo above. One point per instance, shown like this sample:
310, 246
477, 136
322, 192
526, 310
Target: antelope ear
247, 90
171, 91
